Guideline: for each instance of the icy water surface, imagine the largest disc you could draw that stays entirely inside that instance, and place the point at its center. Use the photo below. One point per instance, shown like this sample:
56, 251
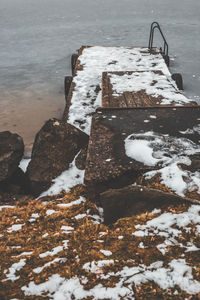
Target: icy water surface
37, 38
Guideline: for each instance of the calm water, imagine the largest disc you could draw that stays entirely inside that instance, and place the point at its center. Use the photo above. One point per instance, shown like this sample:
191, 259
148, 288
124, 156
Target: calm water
37, 38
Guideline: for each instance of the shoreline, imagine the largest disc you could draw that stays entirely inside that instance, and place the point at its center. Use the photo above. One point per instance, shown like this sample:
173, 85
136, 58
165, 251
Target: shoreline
26, 114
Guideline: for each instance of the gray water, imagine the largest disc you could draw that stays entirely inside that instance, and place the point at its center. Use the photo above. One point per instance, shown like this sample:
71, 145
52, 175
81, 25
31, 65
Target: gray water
37, 38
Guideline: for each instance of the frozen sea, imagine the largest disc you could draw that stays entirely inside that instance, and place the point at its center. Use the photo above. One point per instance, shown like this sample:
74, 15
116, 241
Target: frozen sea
37, 38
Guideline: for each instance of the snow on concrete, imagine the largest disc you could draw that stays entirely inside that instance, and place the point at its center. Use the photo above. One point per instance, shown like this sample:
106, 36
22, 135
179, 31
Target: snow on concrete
154, 84
193, 130
95, 60
166, 153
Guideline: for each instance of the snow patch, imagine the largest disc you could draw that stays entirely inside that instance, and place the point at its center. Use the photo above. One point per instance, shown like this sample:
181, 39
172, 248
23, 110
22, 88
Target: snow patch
15, 227
68, 179
67, 229
178, 273
56, 260
24, 164
97, 266
5, 206
53, 252
152, 149
80, 216
70, 204
14, 268
49, 212
106, 252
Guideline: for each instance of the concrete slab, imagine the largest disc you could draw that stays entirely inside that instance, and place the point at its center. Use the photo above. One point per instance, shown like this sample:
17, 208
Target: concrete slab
107, 164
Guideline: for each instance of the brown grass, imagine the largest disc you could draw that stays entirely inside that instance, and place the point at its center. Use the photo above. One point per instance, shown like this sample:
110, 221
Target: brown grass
84, 245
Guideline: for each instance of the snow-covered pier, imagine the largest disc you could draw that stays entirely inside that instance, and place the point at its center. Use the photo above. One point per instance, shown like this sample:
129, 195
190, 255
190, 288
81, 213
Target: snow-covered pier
144, 130
96, 66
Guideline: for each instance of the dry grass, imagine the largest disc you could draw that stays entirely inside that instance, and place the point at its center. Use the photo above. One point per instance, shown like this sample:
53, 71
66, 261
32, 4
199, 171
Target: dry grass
83, 246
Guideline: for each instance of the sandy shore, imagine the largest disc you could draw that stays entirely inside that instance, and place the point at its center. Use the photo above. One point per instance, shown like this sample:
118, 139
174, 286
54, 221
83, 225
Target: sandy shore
25, 113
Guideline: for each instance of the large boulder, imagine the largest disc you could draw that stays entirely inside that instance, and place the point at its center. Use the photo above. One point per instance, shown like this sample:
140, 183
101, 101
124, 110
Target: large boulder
134, 199
11, 152
55, 147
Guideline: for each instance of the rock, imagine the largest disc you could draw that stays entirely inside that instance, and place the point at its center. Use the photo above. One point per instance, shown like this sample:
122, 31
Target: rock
55, 146
11, 152
131, 200
19, 181
80, 160
14, 187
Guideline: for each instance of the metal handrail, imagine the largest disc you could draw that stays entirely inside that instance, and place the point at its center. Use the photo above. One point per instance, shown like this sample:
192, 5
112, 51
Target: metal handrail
155, 25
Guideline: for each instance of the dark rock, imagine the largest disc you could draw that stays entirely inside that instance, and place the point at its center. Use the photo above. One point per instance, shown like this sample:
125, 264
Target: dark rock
55, 147
80, 160
131, 200
11, 152
14, 187
10, 198
18, 183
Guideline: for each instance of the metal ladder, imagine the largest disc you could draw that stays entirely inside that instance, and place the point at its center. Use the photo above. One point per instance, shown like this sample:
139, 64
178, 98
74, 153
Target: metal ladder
165, 49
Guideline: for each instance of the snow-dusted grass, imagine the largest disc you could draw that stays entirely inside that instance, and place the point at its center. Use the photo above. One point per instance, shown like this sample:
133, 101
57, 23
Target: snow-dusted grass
170, 225
176, 273
66, 256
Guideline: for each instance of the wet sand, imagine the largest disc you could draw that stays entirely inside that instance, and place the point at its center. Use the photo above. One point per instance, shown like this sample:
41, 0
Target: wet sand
26, 114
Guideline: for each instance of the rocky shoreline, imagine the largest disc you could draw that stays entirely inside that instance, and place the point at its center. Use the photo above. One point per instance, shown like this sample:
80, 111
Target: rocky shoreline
55, 147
